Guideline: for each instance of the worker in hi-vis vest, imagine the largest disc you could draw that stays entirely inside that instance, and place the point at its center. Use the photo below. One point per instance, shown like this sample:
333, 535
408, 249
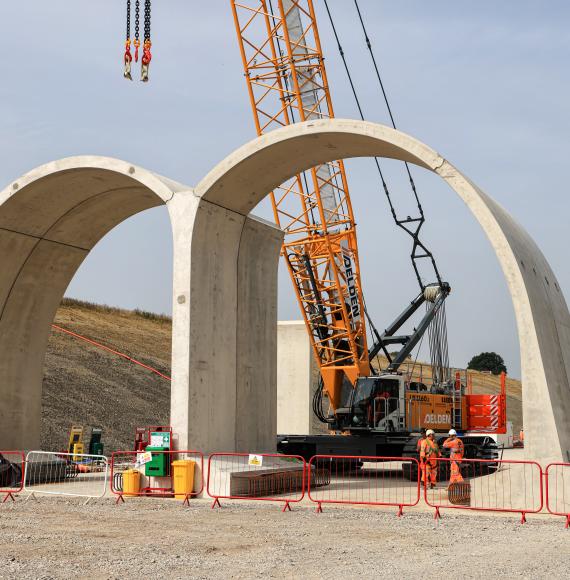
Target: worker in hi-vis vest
429, 452
421, 439
455, 445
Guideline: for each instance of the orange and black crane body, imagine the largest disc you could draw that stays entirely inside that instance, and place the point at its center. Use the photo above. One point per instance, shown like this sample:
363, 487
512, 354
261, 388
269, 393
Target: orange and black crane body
287, 83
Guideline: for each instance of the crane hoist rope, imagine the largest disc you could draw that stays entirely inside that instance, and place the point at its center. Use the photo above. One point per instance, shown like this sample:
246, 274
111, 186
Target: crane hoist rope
147, 44
411, 225
437, 331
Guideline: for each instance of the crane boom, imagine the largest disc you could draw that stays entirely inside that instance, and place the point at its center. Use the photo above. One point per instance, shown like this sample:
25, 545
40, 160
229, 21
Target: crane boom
287, 83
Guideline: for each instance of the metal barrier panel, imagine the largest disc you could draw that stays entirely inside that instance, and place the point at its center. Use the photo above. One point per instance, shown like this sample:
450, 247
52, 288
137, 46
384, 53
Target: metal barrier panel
262, 477
70, 474
364, 480
484, 485
558, 490
12, 467
155, 474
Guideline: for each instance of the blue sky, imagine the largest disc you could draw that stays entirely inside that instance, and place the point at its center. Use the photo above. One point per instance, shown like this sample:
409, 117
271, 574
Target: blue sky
484, 83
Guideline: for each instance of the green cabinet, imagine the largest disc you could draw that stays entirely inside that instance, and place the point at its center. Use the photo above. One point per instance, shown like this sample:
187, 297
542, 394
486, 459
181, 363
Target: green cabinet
159, 465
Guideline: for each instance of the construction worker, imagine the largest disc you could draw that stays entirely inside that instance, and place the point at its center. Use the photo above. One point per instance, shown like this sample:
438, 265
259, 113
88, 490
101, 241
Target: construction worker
421, 439
455, 445
429, 452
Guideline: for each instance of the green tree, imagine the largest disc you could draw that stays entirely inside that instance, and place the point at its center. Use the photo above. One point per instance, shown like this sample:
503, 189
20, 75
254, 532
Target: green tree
488, 361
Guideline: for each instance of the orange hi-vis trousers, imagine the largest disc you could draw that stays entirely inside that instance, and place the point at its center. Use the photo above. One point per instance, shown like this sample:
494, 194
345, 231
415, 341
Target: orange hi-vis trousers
429, 473
456, 446
456, 476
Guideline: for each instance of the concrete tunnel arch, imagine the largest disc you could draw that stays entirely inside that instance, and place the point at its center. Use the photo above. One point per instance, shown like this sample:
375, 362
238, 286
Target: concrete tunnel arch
51, 218
225, 282
240, 181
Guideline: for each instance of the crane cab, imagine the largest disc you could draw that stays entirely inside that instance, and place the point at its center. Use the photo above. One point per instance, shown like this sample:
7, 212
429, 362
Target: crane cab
375, 404
387, 403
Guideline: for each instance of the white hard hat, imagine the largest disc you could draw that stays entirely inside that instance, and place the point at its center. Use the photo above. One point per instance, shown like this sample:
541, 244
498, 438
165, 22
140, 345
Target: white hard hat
452, 432
430, 432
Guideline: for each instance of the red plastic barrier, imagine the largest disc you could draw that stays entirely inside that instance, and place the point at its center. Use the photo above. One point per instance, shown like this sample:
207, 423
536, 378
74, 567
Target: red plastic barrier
261, 477
156, 477
364, 480
487, 485
12, 474
558, 490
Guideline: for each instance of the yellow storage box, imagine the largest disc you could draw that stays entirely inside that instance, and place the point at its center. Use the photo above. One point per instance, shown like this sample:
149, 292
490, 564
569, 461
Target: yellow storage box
183, 477
131, 482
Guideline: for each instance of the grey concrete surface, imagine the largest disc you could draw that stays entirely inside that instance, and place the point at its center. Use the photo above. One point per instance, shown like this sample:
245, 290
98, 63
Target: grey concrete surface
241, 180
295, 370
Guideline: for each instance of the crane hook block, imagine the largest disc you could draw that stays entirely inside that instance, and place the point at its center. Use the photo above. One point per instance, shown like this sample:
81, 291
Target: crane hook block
128, 61
145, 61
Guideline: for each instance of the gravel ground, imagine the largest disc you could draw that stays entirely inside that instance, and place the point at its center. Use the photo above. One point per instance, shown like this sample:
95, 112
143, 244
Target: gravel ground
58, 538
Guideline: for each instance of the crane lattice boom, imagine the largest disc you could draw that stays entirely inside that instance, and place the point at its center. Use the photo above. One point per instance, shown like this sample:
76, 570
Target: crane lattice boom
287, 83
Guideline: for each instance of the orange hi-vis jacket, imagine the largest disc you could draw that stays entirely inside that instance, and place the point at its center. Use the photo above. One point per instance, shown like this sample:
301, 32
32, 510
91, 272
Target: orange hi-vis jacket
419, 445
429, 450
456, 447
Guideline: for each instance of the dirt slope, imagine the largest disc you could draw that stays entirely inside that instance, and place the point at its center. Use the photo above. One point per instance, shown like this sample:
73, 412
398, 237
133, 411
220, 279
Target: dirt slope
88, 386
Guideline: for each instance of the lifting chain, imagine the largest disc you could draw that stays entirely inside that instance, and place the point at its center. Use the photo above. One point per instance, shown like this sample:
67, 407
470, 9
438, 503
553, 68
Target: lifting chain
128, 58
147, 56
147, 44
137, 42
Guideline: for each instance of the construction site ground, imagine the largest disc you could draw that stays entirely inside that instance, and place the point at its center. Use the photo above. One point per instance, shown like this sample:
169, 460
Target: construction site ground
62, 538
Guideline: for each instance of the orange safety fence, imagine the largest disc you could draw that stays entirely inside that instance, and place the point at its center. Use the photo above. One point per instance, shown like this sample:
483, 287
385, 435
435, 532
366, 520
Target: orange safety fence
177, 474
364, 480
486, 485
12, 474
557, 483
493, 485
263, 477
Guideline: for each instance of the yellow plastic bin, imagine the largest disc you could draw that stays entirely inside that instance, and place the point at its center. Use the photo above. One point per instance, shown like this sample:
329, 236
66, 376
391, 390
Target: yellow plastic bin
131, 482
183, 477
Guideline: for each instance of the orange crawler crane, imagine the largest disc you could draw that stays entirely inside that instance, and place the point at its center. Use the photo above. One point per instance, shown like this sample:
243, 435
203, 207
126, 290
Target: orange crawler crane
287, 83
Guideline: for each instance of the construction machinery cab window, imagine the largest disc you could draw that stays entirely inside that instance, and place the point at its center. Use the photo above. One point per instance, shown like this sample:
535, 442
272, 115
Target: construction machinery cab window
373, 398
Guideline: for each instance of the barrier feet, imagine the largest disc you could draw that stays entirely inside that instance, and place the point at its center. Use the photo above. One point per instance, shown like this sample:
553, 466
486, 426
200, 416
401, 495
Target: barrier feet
286, 507
567, 521
523, 518
10, 495
319, 507
186, 500
400, 511
216, 503
120, 499
437, 515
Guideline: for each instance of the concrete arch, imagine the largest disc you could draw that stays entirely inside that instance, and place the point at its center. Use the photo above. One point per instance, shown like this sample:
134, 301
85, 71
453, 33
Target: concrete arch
49, 221
240, 181
53, 216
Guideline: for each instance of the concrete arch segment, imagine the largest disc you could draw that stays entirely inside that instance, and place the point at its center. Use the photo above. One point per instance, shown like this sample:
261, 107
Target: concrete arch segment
52, 217
241, 180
